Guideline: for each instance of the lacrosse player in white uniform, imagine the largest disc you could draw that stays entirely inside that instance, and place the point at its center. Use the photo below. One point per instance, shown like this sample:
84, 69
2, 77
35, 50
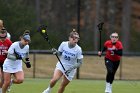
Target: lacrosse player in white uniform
18, 52
71, 57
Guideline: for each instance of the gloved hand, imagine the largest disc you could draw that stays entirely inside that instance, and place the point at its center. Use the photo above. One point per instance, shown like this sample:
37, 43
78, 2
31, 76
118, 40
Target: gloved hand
18, 55
54, 51
68, 71
28, 65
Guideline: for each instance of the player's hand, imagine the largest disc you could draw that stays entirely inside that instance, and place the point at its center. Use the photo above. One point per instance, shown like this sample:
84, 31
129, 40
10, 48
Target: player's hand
68, 71
54, 51
18, 55
28, 65
99, 53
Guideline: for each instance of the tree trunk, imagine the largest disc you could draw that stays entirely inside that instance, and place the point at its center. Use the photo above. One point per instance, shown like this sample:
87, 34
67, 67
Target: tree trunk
97, 19
111, 16
38, 10
126, 20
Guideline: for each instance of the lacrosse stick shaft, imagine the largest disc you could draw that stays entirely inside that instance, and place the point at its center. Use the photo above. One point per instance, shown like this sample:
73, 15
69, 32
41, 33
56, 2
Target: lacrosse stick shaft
100, 27
56, 54
43, 31
100, 41
60, 62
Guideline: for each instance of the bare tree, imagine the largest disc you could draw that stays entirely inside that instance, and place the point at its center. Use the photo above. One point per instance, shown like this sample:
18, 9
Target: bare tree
126, 21
111, 15
38, 10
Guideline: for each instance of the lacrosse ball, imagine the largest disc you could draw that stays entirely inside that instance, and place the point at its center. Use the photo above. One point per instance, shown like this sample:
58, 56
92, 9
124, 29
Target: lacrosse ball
43, 31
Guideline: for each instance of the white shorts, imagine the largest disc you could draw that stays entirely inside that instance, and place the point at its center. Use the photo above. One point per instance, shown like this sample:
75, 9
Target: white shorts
12, 67
71, 74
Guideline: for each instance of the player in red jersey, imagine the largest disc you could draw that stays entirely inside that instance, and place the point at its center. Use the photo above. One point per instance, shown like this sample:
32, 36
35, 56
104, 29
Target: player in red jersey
2, 27
5, 43
113, 49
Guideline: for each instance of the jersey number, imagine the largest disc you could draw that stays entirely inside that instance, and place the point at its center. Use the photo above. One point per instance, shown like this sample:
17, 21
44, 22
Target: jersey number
67, 58
2, 52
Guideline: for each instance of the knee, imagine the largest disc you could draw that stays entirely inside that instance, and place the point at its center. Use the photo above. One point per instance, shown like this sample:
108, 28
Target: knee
18, 81
54, 80
110, 71
6, 83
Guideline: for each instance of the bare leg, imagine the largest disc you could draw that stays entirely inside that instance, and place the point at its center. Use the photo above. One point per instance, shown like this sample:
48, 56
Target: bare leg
64, 83
57, 75
19, 77
7, 79
1, 82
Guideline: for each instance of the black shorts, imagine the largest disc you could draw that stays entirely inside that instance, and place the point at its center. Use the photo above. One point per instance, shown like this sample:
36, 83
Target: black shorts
111, 65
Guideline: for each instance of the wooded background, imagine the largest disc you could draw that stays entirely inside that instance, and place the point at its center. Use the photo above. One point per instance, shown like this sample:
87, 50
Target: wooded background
61, 16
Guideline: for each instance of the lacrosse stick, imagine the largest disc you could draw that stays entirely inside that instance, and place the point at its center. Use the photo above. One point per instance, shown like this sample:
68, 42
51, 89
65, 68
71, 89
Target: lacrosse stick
100, 28
43, 31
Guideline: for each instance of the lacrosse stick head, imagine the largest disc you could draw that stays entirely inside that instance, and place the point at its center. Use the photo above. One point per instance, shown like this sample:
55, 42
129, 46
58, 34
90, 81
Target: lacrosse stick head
42, 29
100, 26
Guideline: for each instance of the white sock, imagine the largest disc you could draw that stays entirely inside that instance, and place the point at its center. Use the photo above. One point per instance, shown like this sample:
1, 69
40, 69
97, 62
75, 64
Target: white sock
49, 87
107, 84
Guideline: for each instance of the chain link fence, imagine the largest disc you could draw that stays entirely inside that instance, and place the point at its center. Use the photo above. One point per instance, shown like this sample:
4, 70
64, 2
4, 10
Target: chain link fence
43, 64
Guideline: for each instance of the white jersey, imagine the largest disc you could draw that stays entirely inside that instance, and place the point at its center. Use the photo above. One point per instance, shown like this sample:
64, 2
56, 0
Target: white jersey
69, 58
13, 66
69, 55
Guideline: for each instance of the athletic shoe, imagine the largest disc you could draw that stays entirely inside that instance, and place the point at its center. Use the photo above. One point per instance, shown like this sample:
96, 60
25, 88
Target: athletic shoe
9, 87
48, 90
108, 88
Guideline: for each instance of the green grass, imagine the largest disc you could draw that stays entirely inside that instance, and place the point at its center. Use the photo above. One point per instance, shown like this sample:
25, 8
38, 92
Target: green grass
76, 86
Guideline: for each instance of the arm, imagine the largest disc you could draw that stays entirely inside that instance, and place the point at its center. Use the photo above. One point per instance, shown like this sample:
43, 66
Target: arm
118, 52
14, 56
26, 60
104, 49
11, 56
100, 52
56, 52
78, 64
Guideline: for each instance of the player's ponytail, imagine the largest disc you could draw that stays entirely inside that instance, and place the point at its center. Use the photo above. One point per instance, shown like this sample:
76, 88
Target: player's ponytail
26, 32
73, 33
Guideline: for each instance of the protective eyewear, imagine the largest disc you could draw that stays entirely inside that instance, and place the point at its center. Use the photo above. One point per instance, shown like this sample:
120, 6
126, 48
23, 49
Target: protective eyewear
74, 37
2, 31
114, 36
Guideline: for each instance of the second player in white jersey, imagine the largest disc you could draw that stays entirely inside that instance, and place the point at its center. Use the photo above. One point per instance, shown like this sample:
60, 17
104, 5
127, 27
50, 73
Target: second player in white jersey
14, 65
18, 52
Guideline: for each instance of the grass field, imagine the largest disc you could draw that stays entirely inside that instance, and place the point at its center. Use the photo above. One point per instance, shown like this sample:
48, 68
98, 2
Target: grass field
43, 67
76, 86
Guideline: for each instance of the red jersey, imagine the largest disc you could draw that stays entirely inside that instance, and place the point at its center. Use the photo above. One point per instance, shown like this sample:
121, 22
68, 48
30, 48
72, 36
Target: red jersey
4, 45
108, 45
